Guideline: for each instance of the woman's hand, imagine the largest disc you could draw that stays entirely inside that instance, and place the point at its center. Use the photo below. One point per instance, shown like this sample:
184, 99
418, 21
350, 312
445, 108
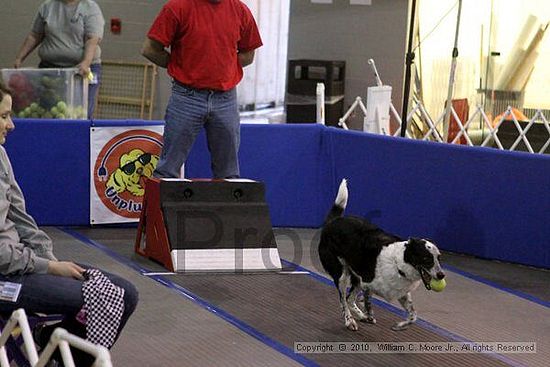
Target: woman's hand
90, 48
65, 269
84, 69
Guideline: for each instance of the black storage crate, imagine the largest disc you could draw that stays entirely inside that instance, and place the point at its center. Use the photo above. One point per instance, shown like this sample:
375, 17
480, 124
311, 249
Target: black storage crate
298, 113
303, 76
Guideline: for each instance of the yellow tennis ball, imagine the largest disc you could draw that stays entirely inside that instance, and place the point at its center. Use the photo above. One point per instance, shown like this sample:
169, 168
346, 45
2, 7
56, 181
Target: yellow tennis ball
438, 285
90, 76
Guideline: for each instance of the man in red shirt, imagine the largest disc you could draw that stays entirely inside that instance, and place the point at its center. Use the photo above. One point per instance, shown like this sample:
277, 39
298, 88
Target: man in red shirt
210, 42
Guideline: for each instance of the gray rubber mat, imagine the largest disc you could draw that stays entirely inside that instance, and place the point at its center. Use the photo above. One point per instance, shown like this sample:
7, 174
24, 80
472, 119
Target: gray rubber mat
289, 308
531, 281
294, 308
168, 330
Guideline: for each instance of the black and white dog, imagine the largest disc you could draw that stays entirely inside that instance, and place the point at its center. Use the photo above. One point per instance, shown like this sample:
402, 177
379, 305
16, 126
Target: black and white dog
360, 255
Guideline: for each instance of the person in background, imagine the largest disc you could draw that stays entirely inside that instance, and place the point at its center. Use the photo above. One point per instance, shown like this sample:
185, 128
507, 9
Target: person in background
209, 41
68, 33
47, 285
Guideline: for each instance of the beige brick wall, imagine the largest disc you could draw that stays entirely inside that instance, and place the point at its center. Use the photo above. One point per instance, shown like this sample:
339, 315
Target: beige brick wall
337, 31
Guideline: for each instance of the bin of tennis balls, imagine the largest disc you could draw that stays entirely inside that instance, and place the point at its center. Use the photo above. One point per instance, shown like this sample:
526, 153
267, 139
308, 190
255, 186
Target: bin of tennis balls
48, 93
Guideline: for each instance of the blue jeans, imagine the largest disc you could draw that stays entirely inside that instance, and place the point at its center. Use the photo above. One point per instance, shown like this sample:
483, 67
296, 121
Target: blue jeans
52, 294
188, 111
93, 89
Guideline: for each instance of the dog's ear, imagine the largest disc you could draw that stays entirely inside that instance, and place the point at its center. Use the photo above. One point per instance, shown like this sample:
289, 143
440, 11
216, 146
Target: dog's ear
414, 241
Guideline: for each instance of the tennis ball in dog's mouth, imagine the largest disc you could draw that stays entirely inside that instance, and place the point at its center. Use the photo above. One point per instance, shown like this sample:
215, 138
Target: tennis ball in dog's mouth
438, 285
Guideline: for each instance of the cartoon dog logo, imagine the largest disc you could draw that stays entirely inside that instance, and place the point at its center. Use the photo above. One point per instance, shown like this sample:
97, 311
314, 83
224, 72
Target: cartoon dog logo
135, 167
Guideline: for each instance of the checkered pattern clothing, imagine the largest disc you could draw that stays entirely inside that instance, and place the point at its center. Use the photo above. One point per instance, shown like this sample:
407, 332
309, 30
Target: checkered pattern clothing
103, 306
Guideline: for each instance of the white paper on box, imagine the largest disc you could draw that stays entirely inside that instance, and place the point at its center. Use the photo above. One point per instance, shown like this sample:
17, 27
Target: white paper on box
360, 2
377, 119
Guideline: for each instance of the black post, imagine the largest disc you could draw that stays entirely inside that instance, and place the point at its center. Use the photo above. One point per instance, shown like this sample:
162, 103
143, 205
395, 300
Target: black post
408, 63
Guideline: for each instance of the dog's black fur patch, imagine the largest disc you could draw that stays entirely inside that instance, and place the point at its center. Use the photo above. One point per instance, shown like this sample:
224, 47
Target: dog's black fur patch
360, 255
356, 240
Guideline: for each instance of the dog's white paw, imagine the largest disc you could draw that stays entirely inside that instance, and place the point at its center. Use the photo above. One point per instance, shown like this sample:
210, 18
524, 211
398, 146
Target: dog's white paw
351, 324
400, 326
357, 311
369, 320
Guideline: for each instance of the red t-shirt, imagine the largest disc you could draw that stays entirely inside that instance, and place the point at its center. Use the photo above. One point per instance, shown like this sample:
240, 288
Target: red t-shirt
204, 39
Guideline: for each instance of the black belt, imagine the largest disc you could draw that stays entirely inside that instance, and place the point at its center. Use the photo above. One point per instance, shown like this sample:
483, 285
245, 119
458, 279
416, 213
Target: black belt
49, 65
200, 90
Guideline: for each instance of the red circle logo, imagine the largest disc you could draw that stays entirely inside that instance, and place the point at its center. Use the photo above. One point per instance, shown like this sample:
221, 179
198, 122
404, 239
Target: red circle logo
122, 167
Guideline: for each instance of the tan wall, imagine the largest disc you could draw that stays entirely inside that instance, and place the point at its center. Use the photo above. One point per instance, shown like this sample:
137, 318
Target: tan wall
336, 31
354, 33
136, 16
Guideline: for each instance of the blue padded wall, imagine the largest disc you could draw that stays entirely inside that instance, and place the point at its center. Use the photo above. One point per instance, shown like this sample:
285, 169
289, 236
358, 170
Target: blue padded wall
471, 200
480, 201
50, 159
291, 159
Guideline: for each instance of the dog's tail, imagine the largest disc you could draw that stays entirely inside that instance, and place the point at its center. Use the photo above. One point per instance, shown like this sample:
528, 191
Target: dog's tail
340, 202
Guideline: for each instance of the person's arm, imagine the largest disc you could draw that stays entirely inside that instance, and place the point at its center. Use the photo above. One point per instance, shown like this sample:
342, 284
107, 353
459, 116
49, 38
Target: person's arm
94, 25
250, 38
89, 51
29, 233
155, 52
18, 259
31, 42
246, 58
33, 253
